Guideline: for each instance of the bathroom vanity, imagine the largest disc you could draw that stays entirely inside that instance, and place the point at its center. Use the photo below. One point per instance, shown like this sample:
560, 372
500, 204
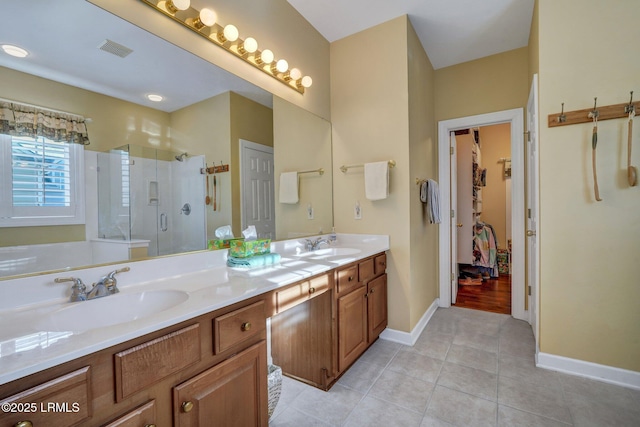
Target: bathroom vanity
202, 358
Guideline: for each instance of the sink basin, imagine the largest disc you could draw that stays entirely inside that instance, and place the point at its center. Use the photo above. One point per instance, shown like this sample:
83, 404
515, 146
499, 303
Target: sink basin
110, 310
326, 253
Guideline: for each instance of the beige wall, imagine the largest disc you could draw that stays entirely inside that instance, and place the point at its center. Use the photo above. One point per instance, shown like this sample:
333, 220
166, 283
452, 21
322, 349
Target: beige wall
589, 250
495, 83
114, 123
423, 164
304, 143
496, 144
534, 42
275, 24
372, 121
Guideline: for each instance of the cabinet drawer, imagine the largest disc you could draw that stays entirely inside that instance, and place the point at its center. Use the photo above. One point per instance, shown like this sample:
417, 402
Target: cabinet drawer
365, 270
380, 264
144, 415
300, 292
347, 279
139, 367
70, 394
238, 326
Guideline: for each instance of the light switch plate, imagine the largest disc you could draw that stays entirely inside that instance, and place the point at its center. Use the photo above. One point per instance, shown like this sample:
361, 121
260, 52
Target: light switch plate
357, 211
309, 211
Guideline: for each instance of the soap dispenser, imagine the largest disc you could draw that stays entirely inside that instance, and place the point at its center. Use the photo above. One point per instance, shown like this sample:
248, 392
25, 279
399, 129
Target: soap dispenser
332, 237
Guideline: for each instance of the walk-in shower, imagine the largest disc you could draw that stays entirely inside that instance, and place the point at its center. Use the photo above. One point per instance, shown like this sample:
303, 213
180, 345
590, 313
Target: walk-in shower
152, 195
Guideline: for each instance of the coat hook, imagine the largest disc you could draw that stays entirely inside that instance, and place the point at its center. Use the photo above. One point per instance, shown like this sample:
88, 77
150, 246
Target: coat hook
562, 117
630, 109
595, 113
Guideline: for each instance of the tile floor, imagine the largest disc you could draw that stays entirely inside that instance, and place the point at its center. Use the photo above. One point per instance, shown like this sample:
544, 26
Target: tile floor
468, 368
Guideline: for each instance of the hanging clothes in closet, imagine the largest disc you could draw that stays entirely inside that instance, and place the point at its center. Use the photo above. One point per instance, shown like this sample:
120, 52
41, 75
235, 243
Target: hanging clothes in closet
485, 249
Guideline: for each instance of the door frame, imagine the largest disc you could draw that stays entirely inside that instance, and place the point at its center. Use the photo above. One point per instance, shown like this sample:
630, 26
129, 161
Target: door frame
533, 196
516, 118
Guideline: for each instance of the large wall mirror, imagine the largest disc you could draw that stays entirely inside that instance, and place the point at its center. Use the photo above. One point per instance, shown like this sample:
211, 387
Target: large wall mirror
160, 177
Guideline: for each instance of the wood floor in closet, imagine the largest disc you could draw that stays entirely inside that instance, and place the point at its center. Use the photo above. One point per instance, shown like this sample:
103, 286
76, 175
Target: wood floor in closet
493, 295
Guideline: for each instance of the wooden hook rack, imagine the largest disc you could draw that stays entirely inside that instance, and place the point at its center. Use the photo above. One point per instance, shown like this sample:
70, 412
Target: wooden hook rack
215, 169
607, 112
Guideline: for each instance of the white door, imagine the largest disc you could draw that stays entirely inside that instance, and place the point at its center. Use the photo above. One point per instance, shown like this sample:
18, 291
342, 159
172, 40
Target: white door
532, 206
454, 216
257, 187
465, 214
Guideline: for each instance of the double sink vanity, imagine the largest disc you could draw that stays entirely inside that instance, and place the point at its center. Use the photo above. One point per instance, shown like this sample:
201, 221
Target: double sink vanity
187, 340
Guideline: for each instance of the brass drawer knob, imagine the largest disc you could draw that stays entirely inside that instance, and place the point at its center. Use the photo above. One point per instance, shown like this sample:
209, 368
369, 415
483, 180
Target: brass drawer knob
149, 425
350, 278
246, 326
312, 290
24, 424
187, 406
372, 290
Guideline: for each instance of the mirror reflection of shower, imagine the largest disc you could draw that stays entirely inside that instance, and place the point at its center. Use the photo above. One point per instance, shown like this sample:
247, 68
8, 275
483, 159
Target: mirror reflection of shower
141, 193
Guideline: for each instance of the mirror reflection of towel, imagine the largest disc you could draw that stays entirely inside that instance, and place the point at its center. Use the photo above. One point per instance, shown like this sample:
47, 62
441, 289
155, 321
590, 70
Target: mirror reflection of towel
289, 187
376, 180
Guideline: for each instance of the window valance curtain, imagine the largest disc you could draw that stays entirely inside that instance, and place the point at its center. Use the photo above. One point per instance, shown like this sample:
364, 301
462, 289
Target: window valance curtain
26, 120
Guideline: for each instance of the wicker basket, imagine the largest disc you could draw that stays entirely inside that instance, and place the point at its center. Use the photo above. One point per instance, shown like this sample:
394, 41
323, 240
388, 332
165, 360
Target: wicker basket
274, 381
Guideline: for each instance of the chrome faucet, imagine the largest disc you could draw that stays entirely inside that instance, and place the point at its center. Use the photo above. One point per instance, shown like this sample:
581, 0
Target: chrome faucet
107, 285
78, 290
312, 245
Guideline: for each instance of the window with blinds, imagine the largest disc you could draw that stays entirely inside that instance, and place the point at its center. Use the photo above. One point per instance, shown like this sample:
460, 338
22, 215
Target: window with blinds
41, 182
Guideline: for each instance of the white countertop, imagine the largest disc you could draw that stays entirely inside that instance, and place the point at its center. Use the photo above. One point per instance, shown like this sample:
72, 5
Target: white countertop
25, 348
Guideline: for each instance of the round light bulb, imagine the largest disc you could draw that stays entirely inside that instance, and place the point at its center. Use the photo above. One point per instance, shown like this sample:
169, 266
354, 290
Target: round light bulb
181, 4
295, 74
208, 17
282, 65
154, 98
250, 45
16, 51
266, 56
306, 81
231, 33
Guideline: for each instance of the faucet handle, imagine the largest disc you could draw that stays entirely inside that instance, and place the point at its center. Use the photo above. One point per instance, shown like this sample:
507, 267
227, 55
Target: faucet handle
78, 290
110, 280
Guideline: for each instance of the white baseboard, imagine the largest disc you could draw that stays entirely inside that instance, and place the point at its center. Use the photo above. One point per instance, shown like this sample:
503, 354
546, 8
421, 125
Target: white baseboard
410, 338
607, 374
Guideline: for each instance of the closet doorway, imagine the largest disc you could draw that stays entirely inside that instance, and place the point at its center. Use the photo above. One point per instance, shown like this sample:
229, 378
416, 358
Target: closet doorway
483, 218
447, 179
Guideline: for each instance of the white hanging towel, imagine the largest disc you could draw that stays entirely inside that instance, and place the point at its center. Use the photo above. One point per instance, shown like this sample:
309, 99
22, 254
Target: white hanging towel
289, 187
376, 180
433, 200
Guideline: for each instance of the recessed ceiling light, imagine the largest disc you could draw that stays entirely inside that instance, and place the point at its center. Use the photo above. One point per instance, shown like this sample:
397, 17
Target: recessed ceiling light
16, 51
154, 98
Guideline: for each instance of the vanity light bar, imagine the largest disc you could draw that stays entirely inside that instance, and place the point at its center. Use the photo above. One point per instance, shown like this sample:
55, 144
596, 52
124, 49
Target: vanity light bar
227, 37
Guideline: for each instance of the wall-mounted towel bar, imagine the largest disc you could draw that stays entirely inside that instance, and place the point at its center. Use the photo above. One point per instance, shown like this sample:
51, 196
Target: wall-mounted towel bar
344, 168
318, 171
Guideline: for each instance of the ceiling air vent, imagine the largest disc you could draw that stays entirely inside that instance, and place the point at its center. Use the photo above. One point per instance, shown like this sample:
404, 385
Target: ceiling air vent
115, 48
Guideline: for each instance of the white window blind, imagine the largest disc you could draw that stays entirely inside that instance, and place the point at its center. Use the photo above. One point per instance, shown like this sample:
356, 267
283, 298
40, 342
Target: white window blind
41, 182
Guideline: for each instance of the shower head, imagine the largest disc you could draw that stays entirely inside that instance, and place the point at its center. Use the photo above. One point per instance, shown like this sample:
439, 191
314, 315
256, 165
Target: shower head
181, 157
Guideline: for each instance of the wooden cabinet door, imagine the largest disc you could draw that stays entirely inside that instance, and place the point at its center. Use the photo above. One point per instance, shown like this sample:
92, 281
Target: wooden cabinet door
352, 327
144, 415
377, 306
232, 393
